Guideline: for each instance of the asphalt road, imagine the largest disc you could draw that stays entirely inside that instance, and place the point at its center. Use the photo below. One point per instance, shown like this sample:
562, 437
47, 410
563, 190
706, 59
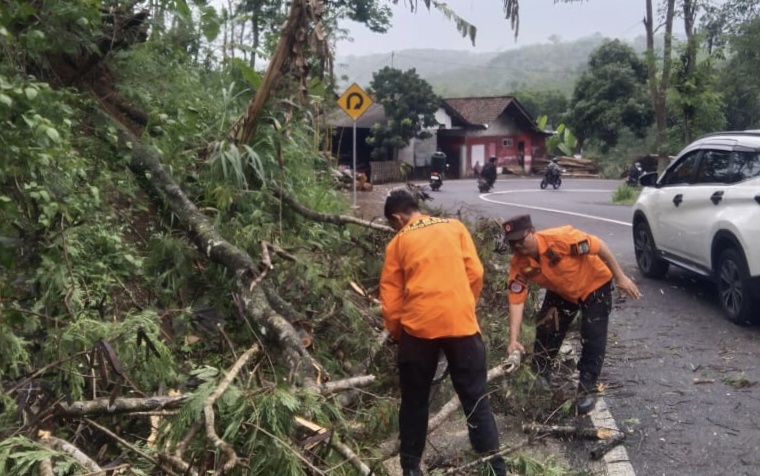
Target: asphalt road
679, 376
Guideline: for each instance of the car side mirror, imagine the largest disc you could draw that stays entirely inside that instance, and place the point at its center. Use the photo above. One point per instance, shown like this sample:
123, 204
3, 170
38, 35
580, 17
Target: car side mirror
648, 179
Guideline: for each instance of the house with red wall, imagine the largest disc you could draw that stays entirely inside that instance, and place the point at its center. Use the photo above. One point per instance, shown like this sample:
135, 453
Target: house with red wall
485, 127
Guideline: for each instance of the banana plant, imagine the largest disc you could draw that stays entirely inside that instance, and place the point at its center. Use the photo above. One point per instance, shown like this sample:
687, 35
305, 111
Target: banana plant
562, 139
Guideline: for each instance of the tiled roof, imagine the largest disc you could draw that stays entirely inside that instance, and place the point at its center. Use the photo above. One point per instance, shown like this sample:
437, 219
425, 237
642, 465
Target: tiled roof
479, 111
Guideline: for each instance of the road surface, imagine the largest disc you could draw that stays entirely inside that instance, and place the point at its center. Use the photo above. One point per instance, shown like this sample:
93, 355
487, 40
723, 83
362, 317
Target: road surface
680, 376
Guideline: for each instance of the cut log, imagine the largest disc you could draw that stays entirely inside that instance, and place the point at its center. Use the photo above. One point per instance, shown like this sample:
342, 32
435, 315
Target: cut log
570, 431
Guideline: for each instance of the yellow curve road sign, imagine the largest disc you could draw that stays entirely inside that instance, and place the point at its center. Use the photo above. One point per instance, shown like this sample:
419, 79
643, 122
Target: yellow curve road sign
355, 101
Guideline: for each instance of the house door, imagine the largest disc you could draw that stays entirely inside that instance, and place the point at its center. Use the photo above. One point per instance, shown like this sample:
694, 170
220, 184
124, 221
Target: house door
521, 153
477, 155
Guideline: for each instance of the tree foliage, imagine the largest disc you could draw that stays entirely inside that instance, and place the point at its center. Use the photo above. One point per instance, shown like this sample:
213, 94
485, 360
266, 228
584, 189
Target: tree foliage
741, 91
611, 95
409, 104
551, 103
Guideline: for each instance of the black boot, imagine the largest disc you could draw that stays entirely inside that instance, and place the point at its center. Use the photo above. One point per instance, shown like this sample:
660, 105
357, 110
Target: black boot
585, 403
586, 399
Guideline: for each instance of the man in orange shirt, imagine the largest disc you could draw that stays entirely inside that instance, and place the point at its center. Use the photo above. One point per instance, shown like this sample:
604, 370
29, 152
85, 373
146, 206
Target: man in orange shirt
577, 270
431, 280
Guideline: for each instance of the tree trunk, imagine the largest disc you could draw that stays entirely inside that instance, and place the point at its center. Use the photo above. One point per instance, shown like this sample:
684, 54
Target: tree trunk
690, 62
658, 87
255, 28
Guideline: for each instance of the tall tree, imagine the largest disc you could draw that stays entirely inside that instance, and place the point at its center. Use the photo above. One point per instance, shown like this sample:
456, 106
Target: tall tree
409, 103
659, 83
610, 96
739, 78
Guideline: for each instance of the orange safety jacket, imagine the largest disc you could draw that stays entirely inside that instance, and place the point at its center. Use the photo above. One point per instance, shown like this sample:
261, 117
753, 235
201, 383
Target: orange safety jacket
431, 280
568, 264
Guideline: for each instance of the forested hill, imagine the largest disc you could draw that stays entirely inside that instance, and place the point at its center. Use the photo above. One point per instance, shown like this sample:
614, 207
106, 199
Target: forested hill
427, 62
546, 66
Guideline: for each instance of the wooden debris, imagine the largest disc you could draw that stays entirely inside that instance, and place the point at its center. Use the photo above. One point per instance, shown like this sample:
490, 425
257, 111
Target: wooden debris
570, 431
605, 446
208, 412
320, 433
65, 447
573, 167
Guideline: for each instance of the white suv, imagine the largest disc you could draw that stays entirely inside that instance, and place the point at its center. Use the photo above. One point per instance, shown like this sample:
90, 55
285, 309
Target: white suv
703, 214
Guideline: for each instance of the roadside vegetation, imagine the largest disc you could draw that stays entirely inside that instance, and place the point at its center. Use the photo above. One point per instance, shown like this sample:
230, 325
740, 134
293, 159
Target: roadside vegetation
626, 195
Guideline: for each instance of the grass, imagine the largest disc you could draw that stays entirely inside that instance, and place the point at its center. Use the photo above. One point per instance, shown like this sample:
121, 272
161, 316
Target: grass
626, 195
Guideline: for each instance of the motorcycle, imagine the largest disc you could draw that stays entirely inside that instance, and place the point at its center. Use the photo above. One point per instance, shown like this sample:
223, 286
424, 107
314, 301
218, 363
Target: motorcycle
552, 177
633, 177
484, 185
435, 181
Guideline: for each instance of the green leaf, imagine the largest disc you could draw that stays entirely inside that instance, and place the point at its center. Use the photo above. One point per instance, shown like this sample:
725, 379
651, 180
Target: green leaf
53, 134
6, 100
249, 74
211, 24
183, 9
31, 93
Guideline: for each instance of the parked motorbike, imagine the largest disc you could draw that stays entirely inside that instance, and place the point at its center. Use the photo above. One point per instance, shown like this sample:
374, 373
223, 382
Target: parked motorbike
553, 177
435, 181
484, 185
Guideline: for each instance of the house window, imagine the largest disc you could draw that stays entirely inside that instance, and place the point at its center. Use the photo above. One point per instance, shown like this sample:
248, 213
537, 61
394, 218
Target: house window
506, 142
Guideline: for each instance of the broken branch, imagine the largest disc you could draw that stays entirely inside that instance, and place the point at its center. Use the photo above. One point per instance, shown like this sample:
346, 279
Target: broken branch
350, 456
208, 411
46, 467
328, 217
100, 406
569, 431
63, 446
346, 384
605, 446
482, 460
132, 447
146, 163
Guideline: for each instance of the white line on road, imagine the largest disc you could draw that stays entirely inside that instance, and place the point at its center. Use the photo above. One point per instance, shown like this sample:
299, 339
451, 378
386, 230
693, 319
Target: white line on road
616, 460
552, 210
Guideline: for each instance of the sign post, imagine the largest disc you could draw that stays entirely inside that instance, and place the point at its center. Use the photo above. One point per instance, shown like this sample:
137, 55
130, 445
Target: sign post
354, 102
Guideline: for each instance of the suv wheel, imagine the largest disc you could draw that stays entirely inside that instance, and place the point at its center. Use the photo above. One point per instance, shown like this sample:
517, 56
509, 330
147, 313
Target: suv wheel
733, 286
651, 265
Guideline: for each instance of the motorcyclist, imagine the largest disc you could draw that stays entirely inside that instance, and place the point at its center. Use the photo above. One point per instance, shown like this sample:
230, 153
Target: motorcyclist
552, 171
634, 174
489, 171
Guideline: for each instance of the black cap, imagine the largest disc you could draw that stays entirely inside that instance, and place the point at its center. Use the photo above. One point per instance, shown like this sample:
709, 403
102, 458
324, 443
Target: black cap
517, 227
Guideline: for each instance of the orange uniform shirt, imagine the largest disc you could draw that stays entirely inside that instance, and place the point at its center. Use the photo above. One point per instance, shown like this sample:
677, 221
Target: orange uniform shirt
431, 279
568, 264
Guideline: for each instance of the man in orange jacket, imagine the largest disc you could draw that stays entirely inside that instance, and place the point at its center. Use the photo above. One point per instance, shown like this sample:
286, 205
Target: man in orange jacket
431, 280
577, 270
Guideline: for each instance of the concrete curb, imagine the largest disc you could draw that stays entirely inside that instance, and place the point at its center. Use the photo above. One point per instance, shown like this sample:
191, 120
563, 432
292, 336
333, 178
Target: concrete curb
616, 460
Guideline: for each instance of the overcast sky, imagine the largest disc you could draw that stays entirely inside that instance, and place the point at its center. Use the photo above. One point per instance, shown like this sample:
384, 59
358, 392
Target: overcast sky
539, 19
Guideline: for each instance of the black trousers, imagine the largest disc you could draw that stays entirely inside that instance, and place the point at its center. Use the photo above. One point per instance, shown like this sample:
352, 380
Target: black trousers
417, 362
555, 317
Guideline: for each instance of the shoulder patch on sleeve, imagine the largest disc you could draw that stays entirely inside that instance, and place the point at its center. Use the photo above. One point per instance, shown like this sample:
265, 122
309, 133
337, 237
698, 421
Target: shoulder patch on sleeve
581, 248
516, 287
